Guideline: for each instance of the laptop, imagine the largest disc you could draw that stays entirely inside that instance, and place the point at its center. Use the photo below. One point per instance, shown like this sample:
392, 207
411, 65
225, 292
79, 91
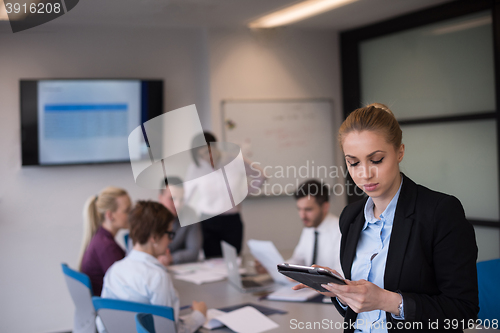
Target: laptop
243, 284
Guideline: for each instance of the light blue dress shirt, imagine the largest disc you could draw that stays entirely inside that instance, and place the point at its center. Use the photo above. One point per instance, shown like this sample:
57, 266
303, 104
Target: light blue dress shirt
140, 277
370, 260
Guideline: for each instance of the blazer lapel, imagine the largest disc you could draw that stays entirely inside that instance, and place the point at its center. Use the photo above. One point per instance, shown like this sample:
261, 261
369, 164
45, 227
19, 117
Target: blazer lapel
400, 234
352, 243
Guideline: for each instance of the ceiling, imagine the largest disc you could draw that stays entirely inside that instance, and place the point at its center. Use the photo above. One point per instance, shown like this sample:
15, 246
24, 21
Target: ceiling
226, 13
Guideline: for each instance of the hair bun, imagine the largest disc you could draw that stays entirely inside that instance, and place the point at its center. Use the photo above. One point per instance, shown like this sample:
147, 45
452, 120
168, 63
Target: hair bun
374, 117
381, 106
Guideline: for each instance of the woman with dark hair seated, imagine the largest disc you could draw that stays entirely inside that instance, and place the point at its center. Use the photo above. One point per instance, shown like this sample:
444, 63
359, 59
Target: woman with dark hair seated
140, 277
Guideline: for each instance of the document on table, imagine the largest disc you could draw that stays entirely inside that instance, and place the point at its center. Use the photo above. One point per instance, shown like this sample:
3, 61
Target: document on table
202, 272
182, 269
201, 277
289, 295
267, 254
244, 320
213, 265
211, 322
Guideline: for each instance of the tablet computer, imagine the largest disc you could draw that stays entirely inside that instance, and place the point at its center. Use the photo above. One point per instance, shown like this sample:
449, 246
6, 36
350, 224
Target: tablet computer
312, 277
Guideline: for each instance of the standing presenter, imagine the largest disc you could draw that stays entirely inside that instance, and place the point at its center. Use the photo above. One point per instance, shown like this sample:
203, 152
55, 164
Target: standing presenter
408, 253
227, 226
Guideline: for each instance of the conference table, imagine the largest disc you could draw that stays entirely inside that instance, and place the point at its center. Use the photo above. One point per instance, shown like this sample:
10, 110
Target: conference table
222, 294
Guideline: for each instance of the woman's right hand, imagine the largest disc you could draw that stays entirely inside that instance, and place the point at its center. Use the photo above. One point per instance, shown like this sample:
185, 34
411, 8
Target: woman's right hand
200, 306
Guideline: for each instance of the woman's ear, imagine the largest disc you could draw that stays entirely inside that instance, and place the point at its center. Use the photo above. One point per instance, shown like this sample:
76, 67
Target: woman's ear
401, 153
108, 215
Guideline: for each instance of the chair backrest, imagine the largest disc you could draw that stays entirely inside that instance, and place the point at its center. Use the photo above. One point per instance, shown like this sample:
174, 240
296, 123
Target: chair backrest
128, 243
80, 290
144, 323
119, 316
488, 277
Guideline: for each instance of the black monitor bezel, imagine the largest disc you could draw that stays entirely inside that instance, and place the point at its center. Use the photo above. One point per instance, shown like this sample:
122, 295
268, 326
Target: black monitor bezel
28, 94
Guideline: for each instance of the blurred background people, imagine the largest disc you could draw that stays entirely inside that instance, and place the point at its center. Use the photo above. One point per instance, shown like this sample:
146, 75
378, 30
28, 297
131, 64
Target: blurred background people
319, 242
103, 215
140, 277
227, 226
187, 243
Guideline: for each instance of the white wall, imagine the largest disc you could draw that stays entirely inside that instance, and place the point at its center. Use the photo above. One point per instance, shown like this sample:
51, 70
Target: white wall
277, 64
40, 207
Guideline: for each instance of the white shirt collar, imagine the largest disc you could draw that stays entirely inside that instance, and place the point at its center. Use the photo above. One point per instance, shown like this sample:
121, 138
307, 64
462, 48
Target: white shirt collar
324, 224
145, 257
387, 215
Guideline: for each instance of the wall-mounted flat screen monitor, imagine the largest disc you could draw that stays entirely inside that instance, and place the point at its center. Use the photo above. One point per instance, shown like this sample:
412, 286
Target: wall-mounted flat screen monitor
82, 121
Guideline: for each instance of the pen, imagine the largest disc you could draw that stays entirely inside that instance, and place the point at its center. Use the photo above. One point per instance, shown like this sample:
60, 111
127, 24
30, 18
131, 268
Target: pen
185, 307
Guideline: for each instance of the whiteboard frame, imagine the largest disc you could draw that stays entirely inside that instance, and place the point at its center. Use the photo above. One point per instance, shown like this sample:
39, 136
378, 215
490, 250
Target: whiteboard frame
279, 100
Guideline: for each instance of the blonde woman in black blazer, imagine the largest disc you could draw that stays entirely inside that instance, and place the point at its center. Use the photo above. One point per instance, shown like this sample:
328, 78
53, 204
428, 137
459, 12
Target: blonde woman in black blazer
429, 278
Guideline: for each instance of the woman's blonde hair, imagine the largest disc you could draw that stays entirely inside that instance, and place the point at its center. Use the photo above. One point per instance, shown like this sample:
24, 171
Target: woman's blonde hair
374, 117
93, 214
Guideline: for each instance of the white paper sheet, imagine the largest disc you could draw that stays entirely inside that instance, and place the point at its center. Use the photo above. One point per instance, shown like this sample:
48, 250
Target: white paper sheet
211, 322
267, 254
287, 294
182, 269
201, 277
202, 272
244, 320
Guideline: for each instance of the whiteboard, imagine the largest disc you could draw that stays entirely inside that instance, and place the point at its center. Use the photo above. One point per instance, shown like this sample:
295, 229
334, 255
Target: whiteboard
292, 139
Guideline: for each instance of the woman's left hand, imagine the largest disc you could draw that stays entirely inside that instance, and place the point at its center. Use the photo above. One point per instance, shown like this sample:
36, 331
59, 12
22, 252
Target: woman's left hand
363, 296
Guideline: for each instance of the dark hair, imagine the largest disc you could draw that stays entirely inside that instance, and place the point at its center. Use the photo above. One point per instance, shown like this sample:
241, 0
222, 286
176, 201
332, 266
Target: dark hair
205, 136
315, 189
148, 218
174, 181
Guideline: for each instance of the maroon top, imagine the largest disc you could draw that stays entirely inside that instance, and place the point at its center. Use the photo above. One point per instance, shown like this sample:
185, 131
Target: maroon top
101, 253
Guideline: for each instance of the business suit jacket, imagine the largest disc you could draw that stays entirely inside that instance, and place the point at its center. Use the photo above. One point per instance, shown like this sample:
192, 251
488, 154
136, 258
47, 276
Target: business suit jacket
431, 259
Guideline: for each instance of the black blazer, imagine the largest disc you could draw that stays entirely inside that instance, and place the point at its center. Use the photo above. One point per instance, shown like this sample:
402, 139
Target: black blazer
431, 258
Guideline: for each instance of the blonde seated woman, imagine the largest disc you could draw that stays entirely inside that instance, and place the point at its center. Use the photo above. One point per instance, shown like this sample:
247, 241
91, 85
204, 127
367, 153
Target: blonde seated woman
140, 277
103, 215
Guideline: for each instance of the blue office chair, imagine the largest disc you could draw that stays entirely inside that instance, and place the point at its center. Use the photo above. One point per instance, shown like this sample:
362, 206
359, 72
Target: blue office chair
118, 316
144, 323
488, 275
128, 243
80, 290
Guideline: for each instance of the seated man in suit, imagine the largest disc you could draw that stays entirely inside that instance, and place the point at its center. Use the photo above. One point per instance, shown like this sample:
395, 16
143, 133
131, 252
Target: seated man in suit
319, 242
186, 245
